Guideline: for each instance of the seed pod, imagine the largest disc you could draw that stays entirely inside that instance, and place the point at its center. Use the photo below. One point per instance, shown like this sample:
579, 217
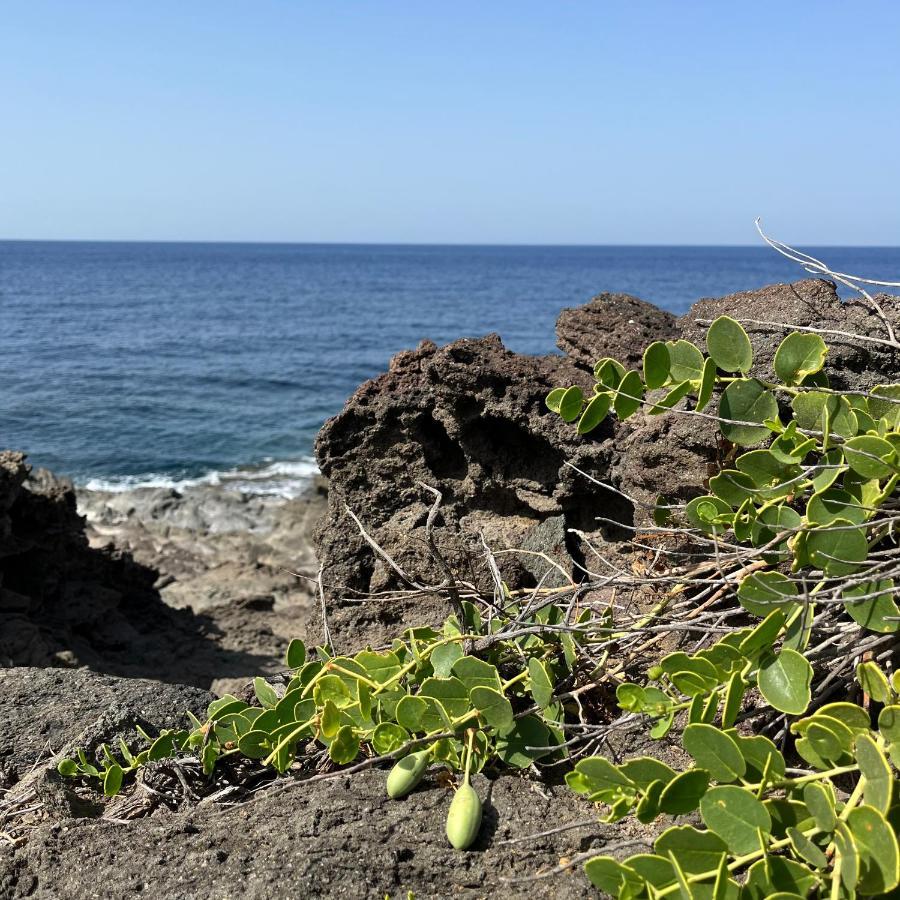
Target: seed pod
464, 818
407, 773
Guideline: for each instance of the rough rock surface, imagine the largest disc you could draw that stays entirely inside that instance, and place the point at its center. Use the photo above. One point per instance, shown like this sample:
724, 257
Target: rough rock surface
335, 838
66, 600
223, 554
851, 363
615, 325
468, 419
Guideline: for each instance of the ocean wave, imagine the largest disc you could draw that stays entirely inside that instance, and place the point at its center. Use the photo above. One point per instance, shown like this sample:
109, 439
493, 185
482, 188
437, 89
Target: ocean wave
273, 478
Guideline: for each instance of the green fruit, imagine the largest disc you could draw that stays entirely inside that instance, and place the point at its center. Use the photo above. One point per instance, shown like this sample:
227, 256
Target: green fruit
464, 818
407, 773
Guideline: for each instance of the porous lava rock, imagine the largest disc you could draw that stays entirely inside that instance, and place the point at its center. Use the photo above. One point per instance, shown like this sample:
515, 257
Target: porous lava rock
339, 837
469, 420
615, 325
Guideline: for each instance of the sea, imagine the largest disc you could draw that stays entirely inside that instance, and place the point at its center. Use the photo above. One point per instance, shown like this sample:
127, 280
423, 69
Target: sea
172, 364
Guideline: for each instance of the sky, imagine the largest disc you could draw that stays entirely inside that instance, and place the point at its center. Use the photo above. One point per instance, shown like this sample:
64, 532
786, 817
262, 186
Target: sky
466, 122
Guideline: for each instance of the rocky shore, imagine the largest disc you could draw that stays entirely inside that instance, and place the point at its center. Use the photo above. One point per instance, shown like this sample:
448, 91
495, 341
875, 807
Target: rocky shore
134, 612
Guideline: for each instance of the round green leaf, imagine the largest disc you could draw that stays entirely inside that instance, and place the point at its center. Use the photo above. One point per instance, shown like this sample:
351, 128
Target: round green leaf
736, 816
696, 851
388, 737
540, 683
344, 746
296, 654
884, 403
747, 401
837, 549
609, 372
729, 345
443, 658
630, 395
761, 592
705, 513
875, 768
685, 361
872, 605
784, 680
799, 354
827, 506
819, 799
570, 404
594, 413
553, 400
809, 411
732, 486
656, 365
870, 456
877, 846
715, 751
112, 780
492, 706
528, 739
682, 794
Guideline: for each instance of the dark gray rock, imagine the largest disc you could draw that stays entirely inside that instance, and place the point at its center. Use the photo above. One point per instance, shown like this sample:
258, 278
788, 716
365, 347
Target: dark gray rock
615, 325
470, 420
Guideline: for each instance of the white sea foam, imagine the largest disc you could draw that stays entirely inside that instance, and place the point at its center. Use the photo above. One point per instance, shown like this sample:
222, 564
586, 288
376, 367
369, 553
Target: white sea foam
274, 478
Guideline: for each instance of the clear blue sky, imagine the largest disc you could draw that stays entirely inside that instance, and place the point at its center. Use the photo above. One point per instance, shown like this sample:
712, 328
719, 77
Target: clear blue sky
487, 122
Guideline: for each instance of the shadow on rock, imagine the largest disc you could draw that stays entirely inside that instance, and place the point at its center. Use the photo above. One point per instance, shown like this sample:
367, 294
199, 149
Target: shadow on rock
65, 603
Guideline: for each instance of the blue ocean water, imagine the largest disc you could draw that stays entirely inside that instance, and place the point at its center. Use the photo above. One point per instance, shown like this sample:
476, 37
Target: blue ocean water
128, 363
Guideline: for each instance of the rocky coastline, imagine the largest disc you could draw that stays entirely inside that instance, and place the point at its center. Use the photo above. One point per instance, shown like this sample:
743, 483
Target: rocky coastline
128, 608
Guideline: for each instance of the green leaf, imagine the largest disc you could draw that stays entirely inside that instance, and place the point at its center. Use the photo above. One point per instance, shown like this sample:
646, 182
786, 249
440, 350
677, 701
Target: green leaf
630, 697
872, 605
760, 593
610, 876
697, 851
735, 815
762, 637
826, 507
889, 723
344, 747
766, 469
715, 751
527, 740
473, 672
685, 361
296, 654
379, 667
677, 393
810, 408
388, 737
333, 688
609, 372
784, 680
874, 682
705, 513
112, 780
444, 657
732, 486
870, 456
847, 856
799, 354
492, 706
657, 363
778, 877
594, 413
819, 799
540, 683
410, 712
599, 774
729, 345
644, 770
630, 395
838, 549
734, 696
873, 766
570, 404
707, 384
682, 794
553, 400
877, 846
806, 849
761, 756
746, 400
884, 403
265, 693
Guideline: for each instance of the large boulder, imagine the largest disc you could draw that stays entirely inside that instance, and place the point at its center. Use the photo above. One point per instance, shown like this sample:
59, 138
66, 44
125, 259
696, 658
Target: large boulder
468, 419
616, 325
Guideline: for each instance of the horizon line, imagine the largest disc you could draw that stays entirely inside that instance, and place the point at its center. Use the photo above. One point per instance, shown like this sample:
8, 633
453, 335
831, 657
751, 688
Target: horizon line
461, 244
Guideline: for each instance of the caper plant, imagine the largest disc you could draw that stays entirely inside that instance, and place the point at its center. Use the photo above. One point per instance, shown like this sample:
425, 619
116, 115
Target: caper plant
807, 498
424, 701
